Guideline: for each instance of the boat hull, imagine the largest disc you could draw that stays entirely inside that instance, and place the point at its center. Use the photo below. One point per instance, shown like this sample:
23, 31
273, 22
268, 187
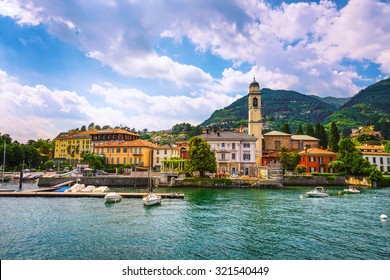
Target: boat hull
151, 200
112, 198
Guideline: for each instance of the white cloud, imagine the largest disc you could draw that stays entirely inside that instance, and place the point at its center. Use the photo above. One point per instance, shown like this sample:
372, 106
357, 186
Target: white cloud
39, 112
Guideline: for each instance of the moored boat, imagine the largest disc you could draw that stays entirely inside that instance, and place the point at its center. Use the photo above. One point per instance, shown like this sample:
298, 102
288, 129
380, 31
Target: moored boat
112, 197
317, 192
151, 199
351, 190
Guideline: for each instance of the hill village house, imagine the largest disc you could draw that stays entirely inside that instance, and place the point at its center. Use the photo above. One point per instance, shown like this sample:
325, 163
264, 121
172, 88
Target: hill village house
236, 152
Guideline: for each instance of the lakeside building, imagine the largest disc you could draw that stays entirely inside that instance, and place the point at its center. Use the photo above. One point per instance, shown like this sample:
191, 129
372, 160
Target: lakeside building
316, 160
70, 147
183, 147
137, 152
274, 141
162, 153
255, 120
235, 152
376, 155
111, 134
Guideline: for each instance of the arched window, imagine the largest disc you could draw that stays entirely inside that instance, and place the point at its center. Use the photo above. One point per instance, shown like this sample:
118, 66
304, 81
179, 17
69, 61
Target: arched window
255, 103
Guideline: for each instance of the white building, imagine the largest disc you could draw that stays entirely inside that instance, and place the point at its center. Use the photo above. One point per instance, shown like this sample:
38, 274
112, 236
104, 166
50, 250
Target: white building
376, 156
162, 153
235, 152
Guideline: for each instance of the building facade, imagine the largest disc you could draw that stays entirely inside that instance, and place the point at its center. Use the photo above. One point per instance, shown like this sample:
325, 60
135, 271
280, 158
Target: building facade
377, 157
235, 152
255, 120
275, 140
316, 160
137, 152
107, 135
70, 147
162, 153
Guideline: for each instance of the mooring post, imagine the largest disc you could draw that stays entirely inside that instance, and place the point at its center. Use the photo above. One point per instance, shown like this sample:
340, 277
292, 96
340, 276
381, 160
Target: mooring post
20, 179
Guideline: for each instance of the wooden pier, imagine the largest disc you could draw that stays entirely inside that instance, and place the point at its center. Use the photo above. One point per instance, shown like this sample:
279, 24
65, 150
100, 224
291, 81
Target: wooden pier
41, 193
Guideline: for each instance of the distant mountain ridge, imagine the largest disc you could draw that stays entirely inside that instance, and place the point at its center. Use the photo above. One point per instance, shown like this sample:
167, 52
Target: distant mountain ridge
370, 105
278, 107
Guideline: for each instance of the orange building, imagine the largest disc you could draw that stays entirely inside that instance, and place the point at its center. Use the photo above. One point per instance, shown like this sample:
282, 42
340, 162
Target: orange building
137, 152
317, 160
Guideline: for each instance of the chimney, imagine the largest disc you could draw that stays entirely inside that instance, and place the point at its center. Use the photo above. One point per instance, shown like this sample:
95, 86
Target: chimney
219, 134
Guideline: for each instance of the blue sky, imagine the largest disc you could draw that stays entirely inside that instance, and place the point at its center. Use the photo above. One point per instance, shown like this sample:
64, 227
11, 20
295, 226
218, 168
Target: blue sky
152, 64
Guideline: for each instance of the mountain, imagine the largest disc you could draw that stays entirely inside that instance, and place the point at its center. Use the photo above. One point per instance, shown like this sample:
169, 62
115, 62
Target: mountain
335, 101
370, 106
278, 107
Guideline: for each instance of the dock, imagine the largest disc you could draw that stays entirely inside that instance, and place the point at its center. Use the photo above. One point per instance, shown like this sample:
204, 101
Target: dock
42, 193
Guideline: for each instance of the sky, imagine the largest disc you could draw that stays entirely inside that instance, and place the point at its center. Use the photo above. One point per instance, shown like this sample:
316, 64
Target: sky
156, 63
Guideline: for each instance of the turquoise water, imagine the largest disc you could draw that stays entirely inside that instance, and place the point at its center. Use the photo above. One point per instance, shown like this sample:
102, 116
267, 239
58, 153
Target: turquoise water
208, 224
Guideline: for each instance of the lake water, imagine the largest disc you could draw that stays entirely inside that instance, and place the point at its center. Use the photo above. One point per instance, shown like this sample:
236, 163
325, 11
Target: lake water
208, 224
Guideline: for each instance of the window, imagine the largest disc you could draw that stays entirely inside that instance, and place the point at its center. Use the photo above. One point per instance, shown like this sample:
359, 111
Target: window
118, 150
233, 156
255, 102
247, 145
233, 146
125, 150
312, 159
277, 145
165, 151
247, 156
330, 159
158, 152
381, 160
131, 160
124, 160
223, 145
321, 160
157, 160
223, 157
312, 169
112, 150
374, 159
117, 160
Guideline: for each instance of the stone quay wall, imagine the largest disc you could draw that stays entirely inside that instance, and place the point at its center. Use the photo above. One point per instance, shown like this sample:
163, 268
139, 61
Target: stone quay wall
109, 181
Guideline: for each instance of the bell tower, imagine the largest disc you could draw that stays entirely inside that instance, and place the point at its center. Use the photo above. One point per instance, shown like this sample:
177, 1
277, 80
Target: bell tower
255, 121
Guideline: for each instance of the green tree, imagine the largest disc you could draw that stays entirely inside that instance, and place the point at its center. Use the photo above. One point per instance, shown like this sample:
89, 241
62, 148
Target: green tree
374, 174
200, 157
334, 138
299, 130
321, 134
289, 160
285, 128
300, 169
49, 164
387, 147
352, 158
310, 130
95, 161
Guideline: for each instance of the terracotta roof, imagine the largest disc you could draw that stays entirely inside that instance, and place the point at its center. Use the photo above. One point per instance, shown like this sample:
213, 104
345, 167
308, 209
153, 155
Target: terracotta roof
276, 133
304, 138
370, 147
122, 143
226, 135
316, 151
107, 131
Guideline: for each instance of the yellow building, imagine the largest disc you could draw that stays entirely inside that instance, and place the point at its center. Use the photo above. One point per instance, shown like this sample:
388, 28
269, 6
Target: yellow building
137, 152
71, 146
255, 120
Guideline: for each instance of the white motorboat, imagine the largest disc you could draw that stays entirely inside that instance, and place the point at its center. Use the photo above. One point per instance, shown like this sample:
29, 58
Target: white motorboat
351, 190
112, 197
151, 199
317, 192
